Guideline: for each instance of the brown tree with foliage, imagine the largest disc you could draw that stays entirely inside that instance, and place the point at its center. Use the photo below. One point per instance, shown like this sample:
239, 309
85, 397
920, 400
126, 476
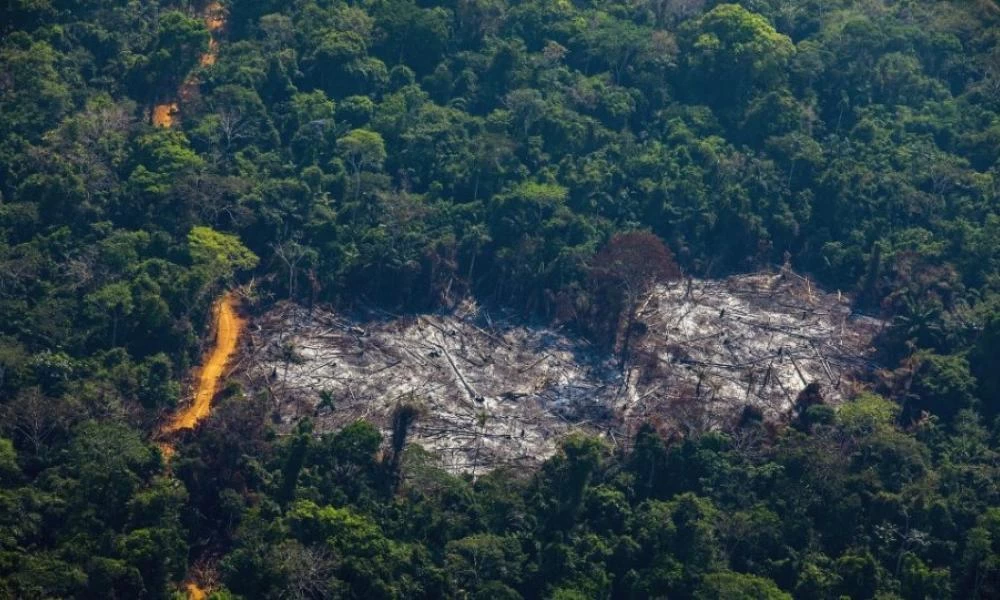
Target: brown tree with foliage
622, 275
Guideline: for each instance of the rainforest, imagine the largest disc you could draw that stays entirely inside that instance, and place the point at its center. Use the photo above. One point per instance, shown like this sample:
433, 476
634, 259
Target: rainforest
500, 299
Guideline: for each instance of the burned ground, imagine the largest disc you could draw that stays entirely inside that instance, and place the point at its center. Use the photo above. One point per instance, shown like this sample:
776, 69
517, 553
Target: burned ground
495, 391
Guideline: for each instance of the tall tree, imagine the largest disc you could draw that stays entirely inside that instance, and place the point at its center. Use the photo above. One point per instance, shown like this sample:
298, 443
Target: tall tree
624, 272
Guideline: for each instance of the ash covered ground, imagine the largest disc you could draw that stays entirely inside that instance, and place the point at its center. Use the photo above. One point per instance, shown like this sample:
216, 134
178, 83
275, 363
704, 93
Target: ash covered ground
493, 391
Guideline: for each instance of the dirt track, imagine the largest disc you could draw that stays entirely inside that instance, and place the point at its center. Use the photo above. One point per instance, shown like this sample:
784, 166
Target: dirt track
165, 114
228, 325
194, 592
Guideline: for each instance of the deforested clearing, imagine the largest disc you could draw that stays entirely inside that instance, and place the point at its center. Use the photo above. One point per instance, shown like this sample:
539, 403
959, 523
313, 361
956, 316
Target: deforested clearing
492, 391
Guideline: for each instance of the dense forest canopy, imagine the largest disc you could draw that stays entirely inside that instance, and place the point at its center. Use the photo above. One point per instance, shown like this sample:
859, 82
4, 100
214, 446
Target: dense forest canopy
407, 154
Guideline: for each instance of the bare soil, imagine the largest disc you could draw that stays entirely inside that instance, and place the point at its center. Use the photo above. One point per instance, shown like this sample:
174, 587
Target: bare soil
497, 391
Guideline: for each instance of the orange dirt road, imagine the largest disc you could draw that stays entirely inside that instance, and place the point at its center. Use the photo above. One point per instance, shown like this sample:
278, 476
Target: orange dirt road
215, 20
228, 325
165, 115
194, 592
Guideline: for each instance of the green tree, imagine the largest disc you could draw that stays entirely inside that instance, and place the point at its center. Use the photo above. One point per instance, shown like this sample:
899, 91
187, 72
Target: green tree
362, 150
942, 385
40, 97
731, 53
180, 42
218, 256
113, 302
479, 559
738, 586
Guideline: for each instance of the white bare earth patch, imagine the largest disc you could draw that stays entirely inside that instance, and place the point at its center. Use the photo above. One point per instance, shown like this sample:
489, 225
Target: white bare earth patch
495, 392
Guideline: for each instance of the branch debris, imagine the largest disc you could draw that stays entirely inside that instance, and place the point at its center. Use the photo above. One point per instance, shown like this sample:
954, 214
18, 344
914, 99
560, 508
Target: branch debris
502, 392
